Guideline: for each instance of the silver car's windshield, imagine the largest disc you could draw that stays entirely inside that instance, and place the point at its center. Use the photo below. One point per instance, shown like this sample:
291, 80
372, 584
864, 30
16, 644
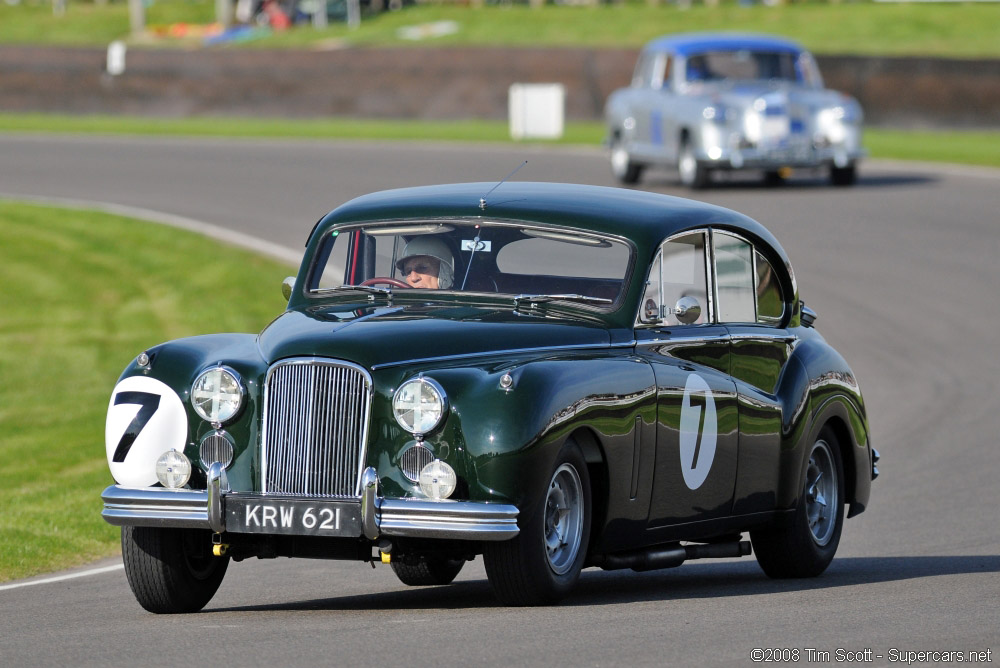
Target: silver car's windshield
746, 65
506, 258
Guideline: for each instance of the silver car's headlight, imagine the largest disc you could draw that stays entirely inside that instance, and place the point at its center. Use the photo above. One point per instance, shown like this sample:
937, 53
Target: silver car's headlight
419, 405
217, 394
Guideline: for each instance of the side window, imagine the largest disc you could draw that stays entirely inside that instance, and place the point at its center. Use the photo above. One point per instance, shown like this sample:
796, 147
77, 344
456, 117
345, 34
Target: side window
770, 305
735, 281
680, 295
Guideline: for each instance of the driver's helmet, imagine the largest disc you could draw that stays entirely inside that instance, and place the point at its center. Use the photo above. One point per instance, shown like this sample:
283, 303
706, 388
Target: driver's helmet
435, 248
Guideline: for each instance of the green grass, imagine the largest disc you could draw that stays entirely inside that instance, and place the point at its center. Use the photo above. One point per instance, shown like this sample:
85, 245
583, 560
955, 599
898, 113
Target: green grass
83, 292
974, 147
961, 30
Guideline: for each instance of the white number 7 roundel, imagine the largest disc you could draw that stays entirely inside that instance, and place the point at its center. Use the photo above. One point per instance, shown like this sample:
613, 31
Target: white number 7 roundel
699, 430
145, 419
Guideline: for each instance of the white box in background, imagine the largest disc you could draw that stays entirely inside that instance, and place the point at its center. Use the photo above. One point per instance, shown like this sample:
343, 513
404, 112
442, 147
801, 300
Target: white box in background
536, 110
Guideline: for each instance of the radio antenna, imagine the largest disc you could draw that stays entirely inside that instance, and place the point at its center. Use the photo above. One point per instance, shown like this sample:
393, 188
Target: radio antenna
482, 200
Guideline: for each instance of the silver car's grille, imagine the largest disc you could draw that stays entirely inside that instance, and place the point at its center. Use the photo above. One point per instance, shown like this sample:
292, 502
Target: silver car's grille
315, 428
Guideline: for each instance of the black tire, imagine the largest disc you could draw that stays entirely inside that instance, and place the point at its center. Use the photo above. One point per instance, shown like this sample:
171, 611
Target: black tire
773, 178
171, 570
806, 547
622, 166
844, 176
542, 564
692, 174
427, 571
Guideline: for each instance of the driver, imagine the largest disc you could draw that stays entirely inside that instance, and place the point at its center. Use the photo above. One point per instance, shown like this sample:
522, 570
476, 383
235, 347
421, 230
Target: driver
427, 263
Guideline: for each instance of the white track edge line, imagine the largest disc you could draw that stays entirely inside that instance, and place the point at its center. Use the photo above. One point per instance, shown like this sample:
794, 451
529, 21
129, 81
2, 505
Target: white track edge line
60, 578
272, 250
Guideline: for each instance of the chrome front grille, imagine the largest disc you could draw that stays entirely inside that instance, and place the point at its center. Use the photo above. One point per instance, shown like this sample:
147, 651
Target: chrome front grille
315, 428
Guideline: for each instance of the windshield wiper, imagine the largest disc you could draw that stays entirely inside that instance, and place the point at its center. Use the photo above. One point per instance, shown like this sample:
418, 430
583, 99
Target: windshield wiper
542, 299
370, 290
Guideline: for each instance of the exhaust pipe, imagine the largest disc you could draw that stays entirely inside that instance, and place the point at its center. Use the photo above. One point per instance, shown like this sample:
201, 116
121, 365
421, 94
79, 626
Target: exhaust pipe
670, 556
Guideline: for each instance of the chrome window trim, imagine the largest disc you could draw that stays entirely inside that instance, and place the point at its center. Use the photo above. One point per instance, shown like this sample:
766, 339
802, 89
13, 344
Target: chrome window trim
350, 226
709, 282
324, 361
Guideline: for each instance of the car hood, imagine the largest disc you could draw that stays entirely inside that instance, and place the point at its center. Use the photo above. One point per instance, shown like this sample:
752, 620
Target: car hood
378, 336
793, 100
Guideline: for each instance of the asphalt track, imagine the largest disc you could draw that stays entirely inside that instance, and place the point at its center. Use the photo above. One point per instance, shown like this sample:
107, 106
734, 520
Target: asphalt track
903, 272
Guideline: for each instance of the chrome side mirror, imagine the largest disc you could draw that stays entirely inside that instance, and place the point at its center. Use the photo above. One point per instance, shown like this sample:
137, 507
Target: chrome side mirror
687, 310
287, 286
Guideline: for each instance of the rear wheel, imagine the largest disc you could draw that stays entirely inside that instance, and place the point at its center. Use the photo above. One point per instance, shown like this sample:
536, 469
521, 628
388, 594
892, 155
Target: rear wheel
692, 174
807, 546
542, 564
425, 571
171, 570
622, 166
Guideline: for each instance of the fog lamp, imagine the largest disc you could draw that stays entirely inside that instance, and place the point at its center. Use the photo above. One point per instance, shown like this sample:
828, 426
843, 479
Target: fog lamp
438, 480
173, 469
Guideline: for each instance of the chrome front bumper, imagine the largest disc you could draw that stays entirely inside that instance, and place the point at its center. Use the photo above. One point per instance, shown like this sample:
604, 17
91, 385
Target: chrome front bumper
418, 518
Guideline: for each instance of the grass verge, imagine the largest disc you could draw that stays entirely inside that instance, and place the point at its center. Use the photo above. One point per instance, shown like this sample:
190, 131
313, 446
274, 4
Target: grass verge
972, 147
955, 30
83, 293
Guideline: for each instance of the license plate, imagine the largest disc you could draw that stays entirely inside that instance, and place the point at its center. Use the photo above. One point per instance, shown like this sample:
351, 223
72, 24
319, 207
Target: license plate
299, 517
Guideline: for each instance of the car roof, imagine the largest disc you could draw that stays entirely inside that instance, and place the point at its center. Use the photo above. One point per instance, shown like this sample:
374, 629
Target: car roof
690, 43
645, 218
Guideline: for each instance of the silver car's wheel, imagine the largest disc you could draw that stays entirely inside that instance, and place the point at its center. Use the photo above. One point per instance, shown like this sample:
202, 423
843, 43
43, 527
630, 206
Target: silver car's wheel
821, 493
622, 166
563, 519
692, 174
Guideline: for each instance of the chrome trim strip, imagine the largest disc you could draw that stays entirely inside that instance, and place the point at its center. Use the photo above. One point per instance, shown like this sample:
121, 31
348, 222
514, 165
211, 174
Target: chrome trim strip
462, 520
156, 506
510, 351
683, 339
782, 338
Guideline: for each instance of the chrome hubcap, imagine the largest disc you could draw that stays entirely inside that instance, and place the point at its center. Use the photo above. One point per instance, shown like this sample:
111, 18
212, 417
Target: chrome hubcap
821, 493
563, 519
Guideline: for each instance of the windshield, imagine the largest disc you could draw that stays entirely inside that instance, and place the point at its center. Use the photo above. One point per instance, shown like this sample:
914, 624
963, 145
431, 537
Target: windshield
508, 258
751, 65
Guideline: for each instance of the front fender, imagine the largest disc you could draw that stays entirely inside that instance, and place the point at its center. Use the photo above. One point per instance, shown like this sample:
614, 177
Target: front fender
504, 441
175, 365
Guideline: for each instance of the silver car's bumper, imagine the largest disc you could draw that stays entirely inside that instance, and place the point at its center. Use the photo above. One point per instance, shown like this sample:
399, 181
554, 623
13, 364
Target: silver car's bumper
755, 158
197, 509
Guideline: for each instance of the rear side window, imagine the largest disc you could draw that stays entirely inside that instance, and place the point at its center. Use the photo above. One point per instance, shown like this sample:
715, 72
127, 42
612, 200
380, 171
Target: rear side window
735, 281
770, 305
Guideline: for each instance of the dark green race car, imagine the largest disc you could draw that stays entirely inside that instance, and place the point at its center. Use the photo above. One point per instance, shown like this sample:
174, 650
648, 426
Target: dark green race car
553, 377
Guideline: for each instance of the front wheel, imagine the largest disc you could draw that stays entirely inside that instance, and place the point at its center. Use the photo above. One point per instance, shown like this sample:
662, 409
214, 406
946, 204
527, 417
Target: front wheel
171, 570
542, 564
844, 176
806, 547
427, 570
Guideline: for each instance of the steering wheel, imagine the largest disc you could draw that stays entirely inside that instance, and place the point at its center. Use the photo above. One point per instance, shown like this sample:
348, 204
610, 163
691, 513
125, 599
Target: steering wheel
385, 280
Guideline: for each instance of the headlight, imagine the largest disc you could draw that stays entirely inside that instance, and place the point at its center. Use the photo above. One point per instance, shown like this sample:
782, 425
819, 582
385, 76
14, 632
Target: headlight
419, 405
217, 394
173, 469
438, 480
